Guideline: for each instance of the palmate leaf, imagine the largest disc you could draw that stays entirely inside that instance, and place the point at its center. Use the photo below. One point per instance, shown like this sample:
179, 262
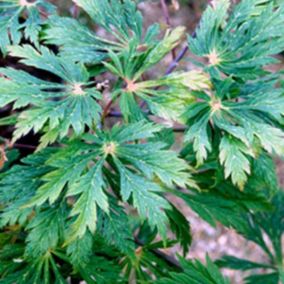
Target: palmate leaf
81, 44
270, 223
18, 268
196, 273
55, 107
18, 185
120, 19
130, 65
122, 16
245, 127
84, 169
242, 42
11, 27
97, 208
167, 96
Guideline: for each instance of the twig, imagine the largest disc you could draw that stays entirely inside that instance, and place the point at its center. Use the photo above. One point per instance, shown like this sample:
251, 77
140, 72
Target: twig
166, 12
31, 147
8, 144
106, 110
175, 63
115, 114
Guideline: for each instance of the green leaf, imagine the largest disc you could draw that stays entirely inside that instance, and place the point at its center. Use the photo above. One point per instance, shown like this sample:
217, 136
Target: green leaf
57, 179
101, 270
196, 273
121, 19
193, 80
115, 229
45, 231
235, 119
13, 29
149, 204
90, 186
219, 201
242, 42
171, 39
81, 250
235, 263
257, 227
9, 120
271, 278
56, 107
81, 44
180, 226
147, 158
40, 269
18, 185
134, 131
233, 157
83, 172
199, 134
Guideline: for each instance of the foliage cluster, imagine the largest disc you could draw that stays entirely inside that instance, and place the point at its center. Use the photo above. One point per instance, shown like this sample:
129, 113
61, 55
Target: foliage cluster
96, 200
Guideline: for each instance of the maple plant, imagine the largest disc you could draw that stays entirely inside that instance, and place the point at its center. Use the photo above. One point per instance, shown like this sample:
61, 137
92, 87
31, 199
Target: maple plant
91, 160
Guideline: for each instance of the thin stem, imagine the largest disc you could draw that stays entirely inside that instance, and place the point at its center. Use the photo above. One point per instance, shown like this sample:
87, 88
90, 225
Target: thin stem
24, 146
166, 12
175, 63
115, 114
16, 145
106, 110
